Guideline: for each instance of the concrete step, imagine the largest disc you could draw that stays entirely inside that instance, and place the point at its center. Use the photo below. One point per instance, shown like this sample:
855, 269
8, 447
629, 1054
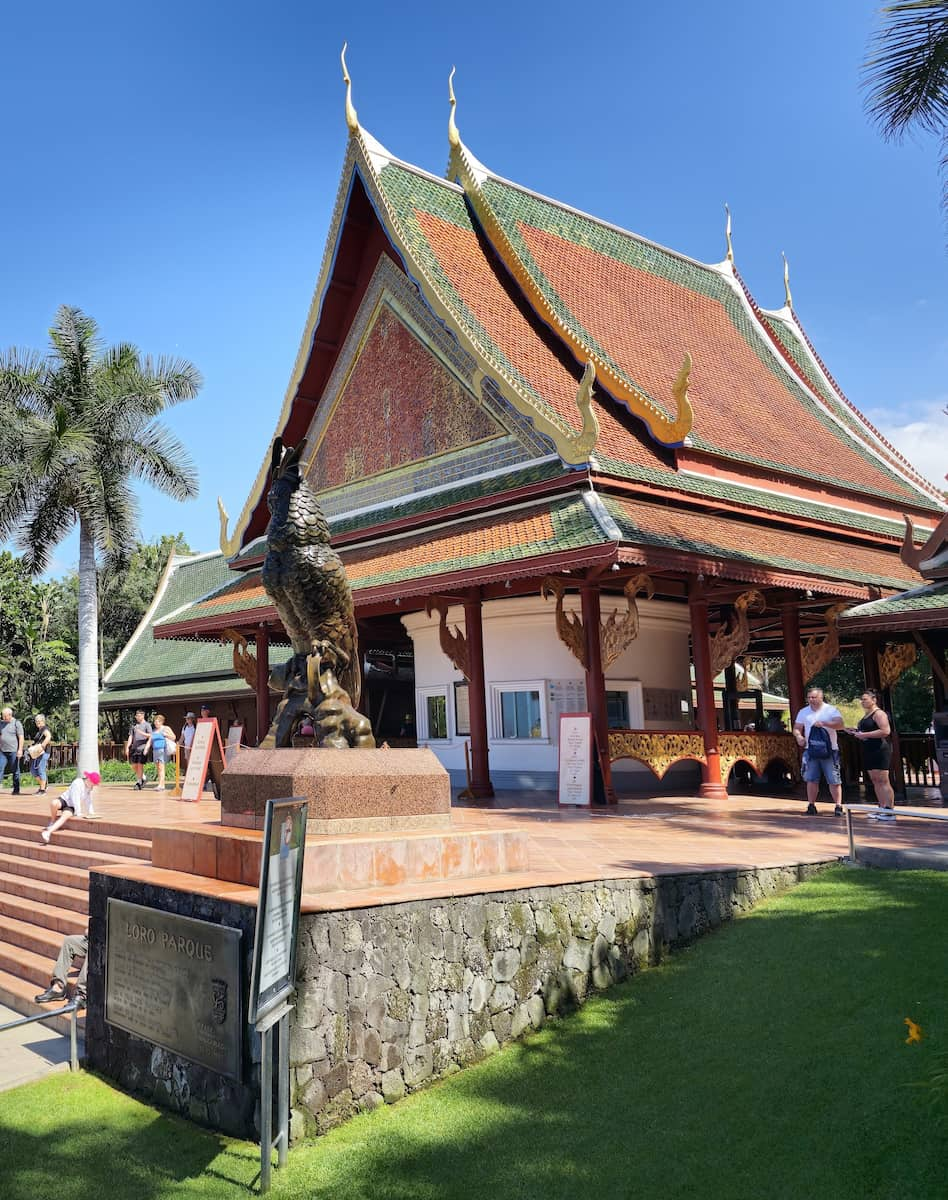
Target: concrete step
27, 888
38, 913
44, 870
56, 853
32, 967
17, 993
100, 825
35, 938
79, 835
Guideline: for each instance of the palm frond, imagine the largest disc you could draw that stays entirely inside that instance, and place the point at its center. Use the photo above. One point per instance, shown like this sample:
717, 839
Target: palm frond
159, 458
44, 527
906, 74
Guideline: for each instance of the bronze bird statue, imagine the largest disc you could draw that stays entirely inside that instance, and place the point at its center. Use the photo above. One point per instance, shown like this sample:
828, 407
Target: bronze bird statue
305, 579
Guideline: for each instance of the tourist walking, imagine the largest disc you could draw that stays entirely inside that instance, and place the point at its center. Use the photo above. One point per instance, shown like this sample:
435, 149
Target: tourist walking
138, 737
874, 734
187, 735
161, 743
75, 945
38, 753
11, 748
76, 801
815, 731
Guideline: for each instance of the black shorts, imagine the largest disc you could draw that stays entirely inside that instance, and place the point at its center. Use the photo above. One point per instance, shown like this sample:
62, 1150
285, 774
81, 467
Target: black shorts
136, 756
64, 806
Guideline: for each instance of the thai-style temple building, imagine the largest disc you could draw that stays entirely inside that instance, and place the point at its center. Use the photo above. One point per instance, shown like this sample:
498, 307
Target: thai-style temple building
567, 469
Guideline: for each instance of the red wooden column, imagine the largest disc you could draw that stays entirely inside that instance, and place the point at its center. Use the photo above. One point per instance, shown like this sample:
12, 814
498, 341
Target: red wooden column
595, 681
712, 787
481, 785
263, 691
790, 621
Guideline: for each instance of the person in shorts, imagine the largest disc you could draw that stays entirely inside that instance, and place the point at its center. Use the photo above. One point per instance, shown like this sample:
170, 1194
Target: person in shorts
135, 746
161, 743
820, 715
39, 753
75, 802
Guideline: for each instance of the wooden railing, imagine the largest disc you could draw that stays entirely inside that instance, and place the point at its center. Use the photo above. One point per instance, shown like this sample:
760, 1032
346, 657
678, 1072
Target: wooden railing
919, 764
66, 754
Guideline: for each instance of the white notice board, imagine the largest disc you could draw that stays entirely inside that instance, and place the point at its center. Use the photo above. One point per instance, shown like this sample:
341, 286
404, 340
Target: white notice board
575, 766
205, 736
234, 736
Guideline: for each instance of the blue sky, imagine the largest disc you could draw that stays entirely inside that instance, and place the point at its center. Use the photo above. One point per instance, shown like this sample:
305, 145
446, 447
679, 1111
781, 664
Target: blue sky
171, 169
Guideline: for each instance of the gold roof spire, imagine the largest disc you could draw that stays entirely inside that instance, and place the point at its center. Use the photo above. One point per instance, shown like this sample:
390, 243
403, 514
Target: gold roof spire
727, 235
454, 138
352, 119
787, 298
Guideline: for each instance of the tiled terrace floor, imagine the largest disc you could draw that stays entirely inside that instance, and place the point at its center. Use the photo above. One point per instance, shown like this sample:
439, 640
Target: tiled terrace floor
664, 835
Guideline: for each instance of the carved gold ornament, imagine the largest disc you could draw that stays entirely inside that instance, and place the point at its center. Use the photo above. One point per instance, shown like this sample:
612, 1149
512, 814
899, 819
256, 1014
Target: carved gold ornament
616, 634
730, 642
245, 661
229, 545
759, 750
894, 661
453, 642
585, 440
352, 119
569, 626
658, 751
822, 648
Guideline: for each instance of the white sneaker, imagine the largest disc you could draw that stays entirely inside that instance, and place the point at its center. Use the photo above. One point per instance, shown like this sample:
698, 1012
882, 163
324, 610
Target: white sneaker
161, 788
45, 835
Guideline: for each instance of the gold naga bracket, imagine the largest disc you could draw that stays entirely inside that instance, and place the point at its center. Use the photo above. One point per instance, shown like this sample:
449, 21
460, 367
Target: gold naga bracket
585, 441
453, 642
229, 545
894, 661
669, 431
821, 649
615, 634
730, 642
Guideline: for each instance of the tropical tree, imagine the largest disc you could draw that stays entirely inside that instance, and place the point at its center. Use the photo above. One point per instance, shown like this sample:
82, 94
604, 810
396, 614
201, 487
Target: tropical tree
80, 428
906, 73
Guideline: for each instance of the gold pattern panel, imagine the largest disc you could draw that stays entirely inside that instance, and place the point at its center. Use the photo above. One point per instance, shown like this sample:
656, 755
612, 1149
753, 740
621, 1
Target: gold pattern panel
759, 750
894, 661
657, 750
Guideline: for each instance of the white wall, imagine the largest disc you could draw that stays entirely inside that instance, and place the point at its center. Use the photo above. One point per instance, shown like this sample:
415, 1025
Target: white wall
521, 645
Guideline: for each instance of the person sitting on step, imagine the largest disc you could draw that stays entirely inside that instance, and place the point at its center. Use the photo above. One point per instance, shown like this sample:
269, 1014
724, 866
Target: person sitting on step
75, 802
75, 945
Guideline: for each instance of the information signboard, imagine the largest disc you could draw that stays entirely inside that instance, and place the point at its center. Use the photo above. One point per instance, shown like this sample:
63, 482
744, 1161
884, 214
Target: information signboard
575, 765
207, 741
278, 905
175, 981
232, 746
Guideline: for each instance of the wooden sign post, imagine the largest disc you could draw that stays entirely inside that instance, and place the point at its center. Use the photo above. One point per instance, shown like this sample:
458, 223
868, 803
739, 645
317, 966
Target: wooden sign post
207, 754
575, 764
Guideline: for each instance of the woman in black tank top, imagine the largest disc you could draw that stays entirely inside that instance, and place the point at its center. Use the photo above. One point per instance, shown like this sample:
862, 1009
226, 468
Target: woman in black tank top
874, 733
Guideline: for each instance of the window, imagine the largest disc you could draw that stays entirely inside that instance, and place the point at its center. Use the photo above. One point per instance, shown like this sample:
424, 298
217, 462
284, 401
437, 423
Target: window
437, 716
624, 708
433, 716
462, 709
519, 711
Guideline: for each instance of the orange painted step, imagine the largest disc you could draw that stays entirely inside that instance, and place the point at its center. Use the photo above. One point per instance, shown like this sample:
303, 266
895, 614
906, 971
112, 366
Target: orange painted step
17, 993
36, 968
99, 825
39, 914
81, 859
45, 891
79, 836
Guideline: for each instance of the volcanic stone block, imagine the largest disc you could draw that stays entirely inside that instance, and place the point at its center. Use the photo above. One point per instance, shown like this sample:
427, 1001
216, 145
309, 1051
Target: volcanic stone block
357, 791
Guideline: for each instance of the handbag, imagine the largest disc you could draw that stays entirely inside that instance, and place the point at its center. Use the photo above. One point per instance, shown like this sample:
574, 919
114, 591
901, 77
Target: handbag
37, 750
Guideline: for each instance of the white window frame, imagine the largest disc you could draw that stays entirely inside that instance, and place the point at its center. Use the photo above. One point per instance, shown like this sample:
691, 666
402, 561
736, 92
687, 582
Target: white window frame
421, 714
497, 716
635, 699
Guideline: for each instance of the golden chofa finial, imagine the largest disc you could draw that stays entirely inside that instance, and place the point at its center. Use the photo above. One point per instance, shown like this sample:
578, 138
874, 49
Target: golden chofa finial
787, 298
727, 235
454, 138
352, 119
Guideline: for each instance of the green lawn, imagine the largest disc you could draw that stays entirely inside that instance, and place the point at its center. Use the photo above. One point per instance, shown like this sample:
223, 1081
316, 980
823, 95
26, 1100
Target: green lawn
769, 1060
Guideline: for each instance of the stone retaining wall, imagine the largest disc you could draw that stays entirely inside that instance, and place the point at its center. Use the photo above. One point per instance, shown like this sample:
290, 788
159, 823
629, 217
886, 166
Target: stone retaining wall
394, 996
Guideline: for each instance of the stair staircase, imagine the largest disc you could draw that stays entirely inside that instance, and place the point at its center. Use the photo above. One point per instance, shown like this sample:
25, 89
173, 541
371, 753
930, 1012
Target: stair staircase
44, 894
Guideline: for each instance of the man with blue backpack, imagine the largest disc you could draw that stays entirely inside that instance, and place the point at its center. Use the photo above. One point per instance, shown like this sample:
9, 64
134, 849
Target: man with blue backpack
815, 731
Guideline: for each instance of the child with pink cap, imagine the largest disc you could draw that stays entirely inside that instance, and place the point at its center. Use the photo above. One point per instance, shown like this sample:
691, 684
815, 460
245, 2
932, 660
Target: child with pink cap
75, 802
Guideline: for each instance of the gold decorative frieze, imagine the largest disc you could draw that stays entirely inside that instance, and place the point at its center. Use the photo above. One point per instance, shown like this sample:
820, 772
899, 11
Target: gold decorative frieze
894, 661
759, 750
657, 750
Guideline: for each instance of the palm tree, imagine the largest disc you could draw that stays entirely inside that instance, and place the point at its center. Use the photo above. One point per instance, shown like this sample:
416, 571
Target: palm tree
81, 427
906, 73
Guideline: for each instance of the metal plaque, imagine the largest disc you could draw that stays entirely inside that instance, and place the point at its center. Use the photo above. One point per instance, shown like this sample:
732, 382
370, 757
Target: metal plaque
175, 981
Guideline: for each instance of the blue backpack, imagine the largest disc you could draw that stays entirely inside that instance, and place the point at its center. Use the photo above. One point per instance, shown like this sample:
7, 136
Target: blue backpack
819, 744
